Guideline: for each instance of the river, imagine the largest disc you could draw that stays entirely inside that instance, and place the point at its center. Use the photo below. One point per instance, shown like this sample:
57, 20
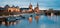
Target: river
37, 21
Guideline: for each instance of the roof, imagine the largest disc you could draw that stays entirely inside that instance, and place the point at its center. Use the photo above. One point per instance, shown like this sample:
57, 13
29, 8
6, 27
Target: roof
24, 8
1, 8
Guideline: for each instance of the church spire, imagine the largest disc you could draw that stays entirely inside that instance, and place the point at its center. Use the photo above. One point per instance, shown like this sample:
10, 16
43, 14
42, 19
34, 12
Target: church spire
30, 6
37, 5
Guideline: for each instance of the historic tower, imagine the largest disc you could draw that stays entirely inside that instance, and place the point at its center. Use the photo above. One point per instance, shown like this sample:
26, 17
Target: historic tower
30, 6
36, 9
37, 6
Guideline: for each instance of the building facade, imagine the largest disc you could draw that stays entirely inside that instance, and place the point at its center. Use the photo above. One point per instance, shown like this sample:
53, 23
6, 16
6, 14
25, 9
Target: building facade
12, 9
36, 9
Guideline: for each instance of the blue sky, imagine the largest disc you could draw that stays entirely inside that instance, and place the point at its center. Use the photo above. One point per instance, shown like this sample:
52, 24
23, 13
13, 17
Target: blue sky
25, 3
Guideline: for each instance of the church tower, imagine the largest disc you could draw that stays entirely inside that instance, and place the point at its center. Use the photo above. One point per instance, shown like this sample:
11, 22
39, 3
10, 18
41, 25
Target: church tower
36, 9
37, 6
30, 6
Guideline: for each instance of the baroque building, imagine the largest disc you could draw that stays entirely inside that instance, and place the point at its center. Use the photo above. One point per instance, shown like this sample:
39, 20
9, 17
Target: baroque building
27, 10
13, 9
30, 8
36, 9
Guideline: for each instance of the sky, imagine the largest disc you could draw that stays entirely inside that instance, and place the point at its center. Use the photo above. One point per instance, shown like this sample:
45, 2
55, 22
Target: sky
43, 4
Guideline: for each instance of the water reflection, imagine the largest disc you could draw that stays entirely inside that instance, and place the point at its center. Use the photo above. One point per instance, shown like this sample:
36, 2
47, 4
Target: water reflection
7, 23
42, 26
33, 22
37, 18
30, 19
54, 18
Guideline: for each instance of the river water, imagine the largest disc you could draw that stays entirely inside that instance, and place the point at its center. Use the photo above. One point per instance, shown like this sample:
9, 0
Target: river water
40, 21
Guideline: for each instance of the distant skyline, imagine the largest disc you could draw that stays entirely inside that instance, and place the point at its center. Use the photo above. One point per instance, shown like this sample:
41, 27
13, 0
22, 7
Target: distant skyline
55, 4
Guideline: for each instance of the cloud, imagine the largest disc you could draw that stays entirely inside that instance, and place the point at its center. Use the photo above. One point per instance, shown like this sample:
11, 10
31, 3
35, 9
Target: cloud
42, 3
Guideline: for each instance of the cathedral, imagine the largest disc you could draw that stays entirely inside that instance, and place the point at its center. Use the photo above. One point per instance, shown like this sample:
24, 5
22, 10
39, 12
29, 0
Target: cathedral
36, 9
30, 8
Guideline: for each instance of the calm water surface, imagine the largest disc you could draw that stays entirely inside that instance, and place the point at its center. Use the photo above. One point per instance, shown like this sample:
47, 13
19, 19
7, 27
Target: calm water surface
34, 22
